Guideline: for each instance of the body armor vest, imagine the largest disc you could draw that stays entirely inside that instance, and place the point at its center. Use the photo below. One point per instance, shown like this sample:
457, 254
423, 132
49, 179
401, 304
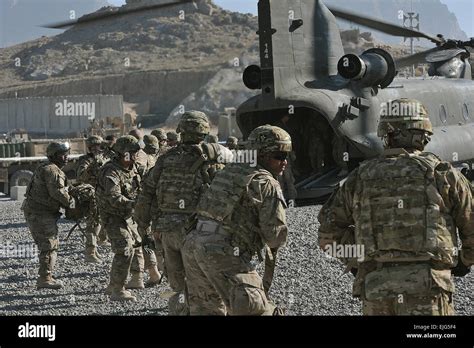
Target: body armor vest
186, 174
129, 183
226, 203
400, 213
37, 195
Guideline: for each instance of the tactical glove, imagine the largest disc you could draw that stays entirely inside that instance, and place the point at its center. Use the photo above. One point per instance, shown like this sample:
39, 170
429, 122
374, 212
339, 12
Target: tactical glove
148, 244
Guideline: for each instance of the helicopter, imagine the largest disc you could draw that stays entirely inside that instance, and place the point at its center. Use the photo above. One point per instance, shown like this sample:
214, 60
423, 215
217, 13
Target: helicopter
315, 91
323, 96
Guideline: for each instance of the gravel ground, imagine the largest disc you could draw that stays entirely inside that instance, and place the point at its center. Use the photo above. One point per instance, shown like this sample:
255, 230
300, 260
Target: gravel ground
306, 281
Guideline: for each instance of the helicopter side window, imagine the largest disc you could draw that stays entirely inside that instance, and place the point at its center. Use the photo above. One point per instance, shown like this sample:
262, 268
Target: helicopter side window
465, 112
443, 114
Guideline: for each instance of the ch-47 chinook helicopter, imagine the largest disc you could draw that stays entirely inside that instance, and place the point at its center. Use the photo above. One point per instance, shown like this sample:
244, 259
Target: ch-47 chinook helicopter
305, 77
336, 99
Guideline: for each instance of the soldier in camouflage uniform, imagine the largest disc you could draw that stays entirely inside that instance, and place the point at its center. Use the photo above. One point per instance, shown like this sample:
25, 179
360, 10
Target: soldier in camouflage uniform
232, 143
173, 139
88, 169
171, 192
163, 140
242, 213
152, 148
405, 206
141, 160
45, 195
117, 191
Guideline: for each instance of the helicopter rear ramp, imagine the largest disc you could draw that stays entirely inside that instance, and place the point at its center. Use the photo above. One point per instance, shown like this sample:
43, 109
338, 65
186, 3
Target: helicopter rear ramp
317, 188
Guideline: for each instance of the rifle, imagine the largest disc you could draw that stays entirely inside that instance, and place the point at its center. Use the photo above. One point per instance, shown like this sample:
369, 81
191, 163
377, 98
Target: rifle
270, 263
78, 225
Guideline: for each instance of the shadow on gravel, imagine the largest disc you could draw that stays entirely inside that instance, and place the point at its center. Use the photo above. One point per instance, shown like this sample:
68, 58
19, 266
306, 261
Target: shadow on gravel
13, 225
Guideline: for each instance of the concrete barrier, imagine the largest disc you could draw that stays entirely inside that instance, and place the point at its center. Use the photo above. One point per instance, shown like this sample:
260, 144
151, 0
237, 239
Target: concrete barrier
17, 193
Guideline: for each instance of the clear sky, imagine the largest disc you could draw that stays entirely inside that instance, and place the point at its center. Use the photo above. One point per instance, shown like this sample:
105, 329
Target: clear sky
463, 9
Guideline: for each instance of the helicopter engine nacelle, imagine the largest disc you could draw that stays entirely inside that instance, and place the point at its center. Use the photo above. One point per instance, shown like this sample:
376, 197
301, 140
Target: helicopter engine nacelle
374, 67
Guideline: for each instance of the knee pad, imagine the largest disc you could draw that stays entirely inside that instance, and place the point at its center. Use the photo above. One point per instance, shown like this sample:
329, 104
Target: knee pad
247, 296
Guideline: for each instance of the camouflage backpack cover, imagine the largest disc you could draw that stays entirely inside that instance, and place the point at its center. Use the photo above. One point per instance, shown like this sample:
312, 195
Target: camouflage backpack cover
84, 202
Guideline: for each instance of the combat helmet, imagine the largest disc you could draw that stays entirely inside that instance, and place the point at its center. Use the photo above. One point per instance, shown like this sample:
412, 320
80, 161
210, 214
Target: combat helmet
403, 114
55, 150
193, 126
151, 141
160, 134
126, 144
94, 140
399, 118
269, 138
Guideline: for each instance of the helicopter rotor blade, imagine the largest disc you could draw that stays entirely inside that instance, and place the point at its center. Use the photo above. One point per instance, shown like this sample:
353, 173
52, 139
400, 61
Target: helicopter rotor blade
385, 27
415, 58
119, 12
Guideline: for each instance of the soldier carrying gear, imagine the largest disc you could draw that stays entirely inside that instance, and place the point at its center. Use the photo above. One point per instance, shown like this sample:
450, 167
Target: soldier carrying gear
87, 172
46, 194
57, 153
170, 195
173, 138
232, 143
241, 214
401, 211
117, 190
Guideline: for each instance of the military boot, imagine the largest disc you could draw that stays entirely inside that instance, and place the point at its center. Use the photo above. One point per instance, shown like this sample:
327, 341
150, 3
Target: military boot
47, 261
120, 294
136, 282
155, 277
91, 255
48, 282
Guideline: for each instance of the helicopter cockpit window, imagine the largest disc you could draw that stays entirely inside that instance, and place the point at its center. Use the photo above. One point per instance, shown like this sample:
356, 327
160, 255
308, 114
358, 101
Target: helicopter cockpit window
443, 114
465, 112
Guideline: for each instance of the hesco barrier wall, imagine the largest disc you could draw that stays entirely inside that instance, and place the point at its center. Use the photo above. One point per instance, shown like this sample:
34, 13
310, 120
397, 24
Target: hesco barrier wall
56, 115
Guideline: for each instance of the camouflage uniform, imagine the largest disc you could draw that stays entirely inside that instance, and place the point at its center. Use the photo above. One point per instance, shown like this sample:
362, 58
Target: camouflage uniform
117, 191
153, 258
405, 206
170, 194
45, 195
87, 173
243, 210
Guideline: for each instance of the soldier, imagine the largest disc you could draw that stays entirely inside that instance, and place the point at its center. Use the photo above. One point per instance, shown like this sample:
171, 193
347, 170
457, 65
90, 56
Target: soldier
141, 159
173, 138
163, 140
45, 195
232, 143
87, 173
151, 264
405, 206
242, 213
171, 192
287, 181
152, 147
117, 190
